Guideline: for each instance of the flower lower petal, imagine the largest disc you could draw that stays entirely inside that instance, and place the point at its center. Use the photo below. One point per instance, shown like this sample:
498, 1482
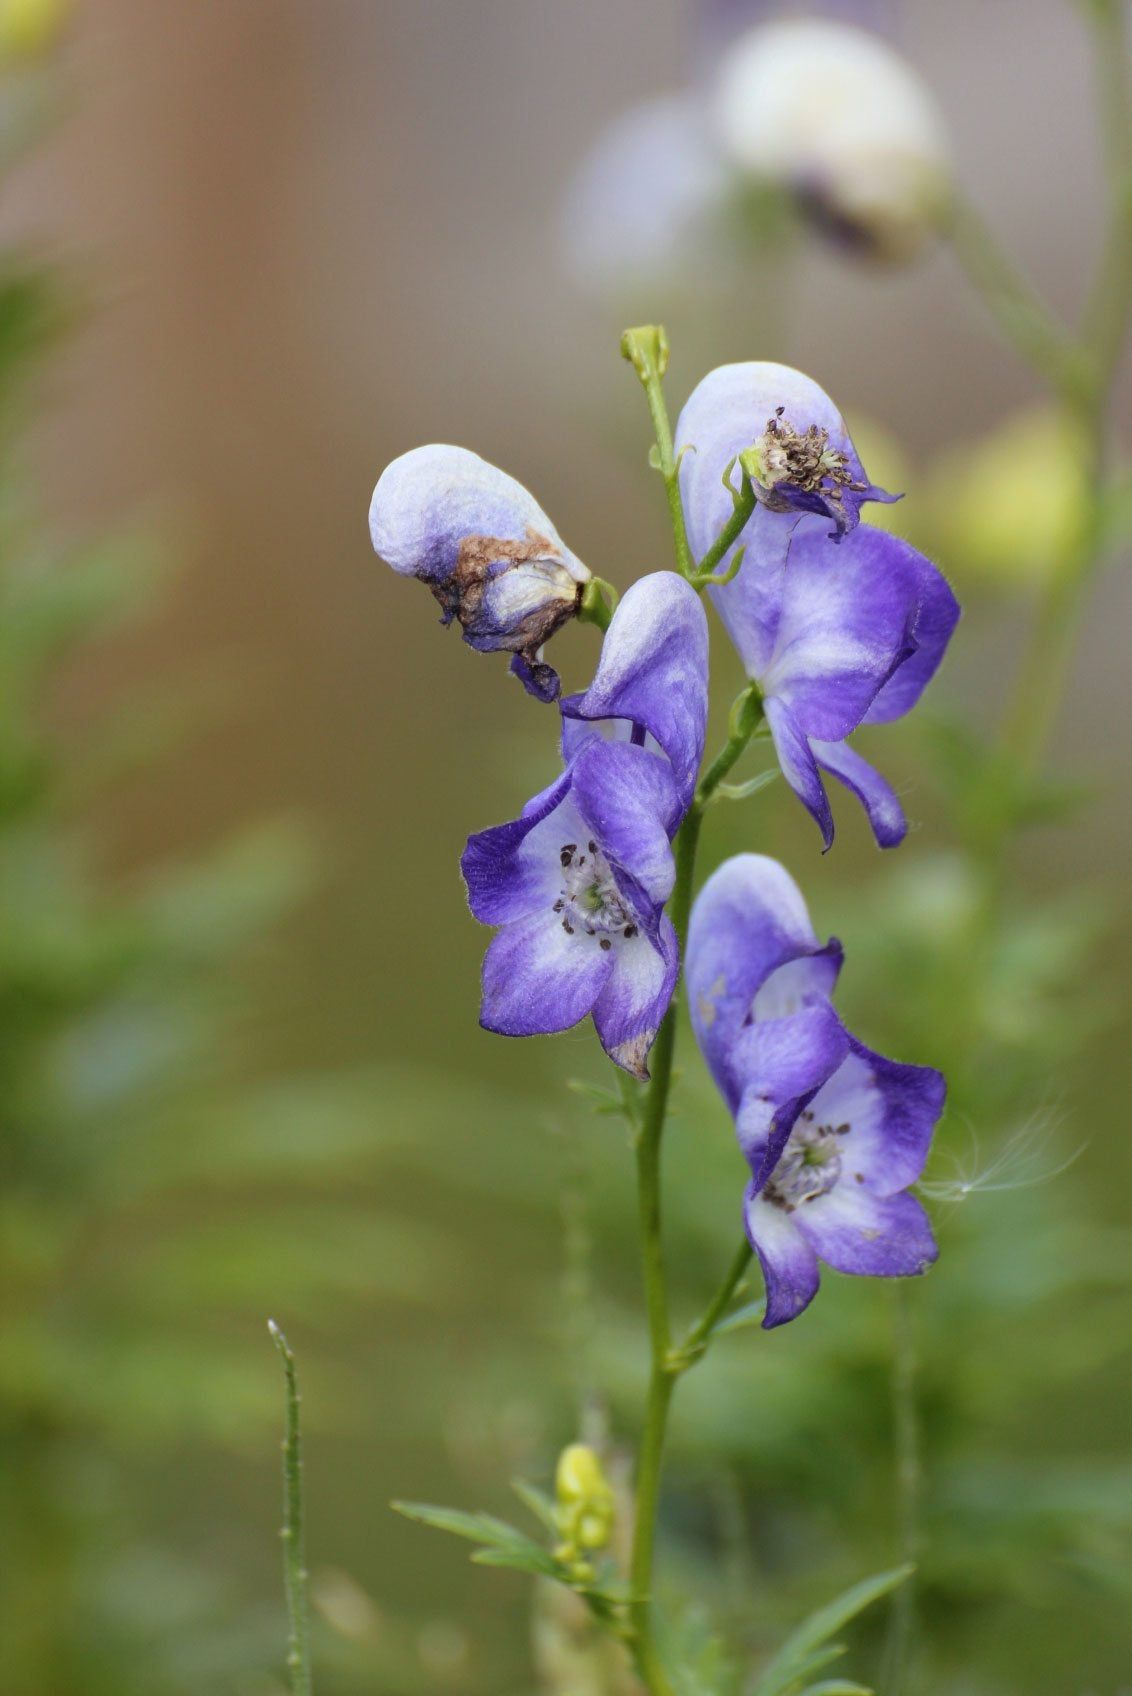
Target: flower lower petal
891, 1111
636, 996
511, 869
537, 979
789, 1264
875, 1236
799, 766
875, 793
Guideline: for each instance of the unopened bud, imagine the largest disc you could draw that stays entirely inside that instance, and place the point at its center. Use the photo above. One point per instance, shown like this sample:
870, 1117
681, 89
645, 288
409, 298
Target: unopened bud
584, 1503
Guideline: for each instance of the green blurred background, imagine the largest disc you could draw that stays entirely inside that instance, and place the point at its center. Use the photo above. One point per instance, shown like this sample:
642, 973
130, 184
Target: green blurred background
273, 243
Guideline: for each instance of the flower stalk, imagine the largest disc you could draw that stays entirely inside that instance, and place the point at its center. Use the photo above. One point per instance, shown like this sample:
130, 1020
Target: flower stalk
646, 349
294, 1566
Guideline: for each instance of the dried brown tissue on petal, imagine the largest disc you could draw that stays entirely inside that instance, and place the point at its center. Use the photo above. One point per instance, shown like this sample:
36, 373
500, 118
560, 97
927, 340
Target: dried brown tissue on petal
634, 1053
803, 458
461, 595
705, 1004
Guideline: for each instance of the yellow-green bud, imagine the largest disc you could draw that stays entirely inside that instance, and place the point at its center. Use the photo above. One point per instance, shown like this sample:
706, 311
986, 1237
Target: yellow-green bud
584, 1502
1007, 506
30, 27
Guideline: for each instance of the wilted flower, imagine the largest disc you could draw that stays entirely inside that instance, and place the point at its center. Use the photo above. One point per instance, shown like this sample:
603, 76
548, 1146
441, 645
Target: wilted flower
838, 627
486, 549
579, 881
834, 1133
835, 116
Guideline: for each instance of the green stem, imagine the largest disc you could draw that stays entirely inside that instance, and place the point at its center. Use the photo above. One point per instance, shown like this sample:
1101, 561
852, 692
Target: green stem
745, 717
729, 535
700, 1335
906, 1435
294, 1570
646, 349
1041, 340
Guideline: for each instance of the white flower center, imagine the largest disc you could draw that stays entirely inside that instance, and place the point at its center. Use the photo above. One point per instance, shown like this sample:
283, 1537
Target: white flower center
810, 1165
590, 902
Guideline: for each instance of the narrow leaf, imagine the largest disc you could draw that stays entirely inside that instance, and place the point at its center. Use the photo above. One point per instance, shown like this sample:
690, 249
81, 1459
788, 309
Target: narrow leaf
787, 1666
838, 1687
750, 1314
478, 1527
526, 1557
741, 791
538, 1502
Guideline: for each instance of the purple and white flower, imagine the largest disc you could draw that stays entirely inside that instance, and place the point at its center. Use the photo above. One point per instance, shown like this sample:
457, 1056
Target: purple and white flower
486, 549
578, 883
834, 1133
838, 627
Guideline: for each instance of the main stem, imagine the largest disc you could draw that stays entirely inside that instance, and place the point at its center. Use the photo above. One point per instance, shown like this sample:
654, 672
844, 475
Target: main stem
294, 1568
646, 349
665, 1367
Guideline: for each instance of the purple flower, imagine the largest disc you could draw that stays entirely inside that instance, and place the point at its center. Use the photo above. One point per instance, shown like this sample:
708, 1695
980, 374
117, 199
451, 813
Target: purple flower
834, 1134
837, 627
486, 549
579, 881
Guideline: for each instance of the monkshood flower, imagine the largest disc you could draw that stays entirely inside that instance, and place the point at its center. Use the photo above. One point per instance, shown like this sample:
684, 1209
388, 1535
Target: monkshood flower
579, 881
486, 549
834, 1133
838, 623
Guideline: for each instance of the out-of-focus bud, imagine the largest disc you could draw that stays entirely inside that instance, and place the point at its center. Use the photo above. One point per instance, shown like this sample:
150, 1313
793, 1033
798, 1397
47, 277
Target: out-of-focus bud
584, 1503
486, 549
30, 27
1005, 509
833, 115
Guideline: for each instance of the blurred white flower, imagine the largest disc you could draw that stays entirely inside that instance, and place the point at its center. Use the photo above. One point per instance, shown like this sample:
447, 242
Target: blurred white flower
812, 112
835, 116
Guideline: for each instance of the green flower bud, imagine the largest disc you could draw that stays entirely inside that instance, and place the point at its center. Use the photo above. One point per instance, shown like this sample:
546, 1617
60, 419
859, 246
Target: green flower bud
584, 1503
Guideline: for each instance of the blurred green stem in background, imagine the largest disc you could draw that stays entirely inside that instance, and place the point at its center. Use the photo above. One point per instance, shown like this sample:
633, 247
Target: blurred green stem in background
294, 1566
1081, 369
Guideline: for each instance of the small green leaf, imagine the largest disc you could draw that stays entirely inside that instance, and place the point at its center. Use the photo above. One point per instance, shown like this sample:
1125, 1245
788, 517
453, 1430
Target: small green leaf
751, 1314
795, 1660
524, 1557
538, 1502
478, 1527
838, 1687
501, 1544
742, 791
